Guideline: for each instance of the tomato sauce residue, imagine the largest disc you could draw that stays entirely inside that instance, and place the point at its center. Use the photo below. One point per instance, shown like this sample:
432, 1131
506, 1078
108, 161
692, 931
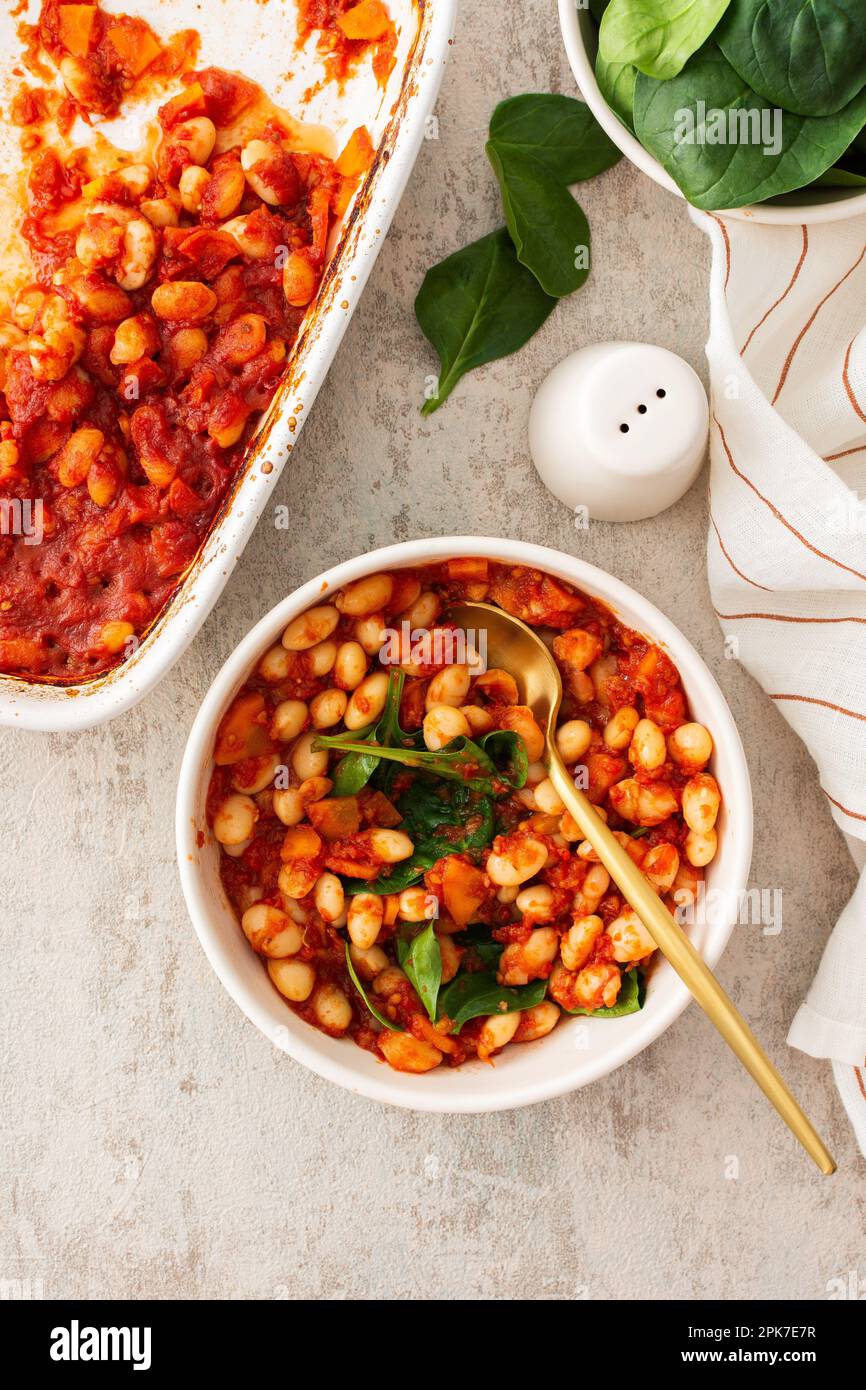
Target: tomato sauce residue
165, 297
346, 31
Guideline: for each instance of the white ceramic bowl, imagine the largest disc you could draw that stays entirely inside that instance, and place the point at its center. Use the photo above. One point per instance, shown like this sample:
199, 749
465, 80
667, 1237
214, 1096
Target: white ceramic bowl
581, 44
579, 1050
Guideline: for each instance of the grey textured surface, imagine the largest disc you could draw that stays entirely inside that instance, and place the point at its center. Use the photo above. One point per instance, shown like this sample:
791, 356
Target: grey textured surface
155, 1145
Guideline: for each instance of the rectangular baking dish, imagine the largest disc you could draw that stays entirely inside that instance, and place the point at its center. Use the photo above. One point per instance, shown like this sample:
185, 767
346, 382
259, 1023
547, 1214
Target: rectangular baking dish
259, 41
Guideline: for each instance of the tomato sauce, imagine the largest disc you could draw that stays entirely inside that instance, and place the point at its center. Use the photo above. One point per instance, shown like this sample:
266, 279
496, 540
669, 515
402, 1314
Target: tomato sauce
165, 298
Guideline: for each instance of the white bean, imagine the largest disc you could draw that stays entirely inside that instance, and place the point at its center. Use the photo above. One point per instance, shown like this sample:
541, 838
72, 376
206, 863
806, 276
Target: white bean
366, 914
306, 761
293, 978
235, 820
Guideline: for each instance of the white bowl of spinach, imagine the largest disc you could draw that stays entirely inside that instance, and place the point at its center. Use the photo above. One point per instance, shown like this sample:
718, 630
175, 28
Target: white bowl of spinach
752, 107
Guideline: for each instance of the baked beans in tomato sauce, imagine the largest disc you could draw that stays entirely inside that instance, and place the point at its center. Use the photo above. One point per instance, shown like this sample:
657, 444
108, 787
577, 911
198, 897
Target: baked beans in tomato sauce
392, 844
166, 294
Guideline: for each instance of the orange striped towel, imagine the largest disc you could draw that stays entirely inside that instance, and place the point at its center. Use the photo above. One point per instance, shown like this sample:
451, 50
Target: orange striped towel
787, 542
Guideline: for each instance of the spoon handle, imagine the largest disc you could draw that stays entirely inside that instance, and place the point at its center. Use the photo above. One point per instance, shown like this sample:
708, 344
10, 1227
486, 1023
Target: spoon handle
676, 946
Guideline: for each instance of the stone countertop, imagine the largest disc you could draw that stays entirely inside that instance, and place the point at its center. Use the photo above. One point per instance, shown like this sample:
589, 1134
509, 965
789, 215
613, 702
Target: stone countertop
155, 1144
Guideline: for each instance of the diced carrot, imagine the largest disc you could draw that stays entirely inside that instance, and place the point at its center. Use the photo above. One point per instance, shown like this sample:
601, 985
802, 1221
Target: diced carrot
358, 154
464, 888
76, 28
242, 732
136, 47
368, 20
188, 103
469, 567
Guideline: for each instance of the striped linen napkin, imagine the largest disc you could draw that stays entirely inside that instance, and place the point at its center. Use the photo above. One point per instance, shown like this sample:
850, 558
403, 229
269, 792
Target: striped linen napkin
787, 542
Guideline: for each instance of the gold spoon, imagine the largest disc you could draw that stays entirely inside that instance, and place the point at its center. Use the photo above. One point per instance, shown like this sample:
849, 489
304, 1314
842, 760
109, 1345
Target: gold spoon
514, 647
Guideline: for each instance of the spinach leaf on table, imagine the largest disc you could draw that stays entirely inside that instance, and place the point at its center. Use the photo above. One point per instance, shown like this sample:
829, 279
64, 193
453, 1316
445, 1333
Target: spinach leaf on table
657, 36
420, 958
597, 9
558, 133
629, 1001
547, 225
807, 56
716, 176
477, 305
471, 996
379, 1017
538, 144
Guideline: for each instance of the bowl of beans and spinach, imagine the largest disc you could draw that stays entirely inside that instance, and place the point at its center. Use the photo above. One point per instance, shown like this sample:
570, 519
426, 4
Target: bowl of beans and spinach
382, 835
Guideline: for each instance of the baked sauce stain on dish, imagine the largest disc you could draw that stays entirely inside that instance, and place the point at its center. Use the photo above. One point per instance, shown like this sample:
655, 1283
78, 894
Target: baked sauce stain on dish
154, 299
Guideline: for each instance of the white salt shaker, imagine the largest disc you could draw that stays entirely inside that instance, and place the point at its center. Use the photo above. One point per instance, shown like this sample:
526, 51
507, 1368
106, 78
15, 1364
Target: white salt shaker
620, 429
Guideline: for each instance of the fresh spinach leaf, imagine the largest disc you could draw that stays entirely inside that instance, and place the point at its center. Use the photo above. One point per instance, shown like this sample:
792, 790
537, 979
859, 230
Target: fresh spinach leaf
470, 996
837, 177
436, 810
629, 1001
616, 84
353, 772
477, 305
547, 225
421, 960
657, 36
808, 56
480, 943
507, 751
461, 759
441, 818
379, 1017
671, 121
558, 133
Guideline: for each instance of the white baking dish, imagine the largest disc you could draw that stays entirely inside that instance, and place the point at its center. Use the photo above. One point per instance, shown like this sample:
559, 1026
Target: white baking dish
259, 40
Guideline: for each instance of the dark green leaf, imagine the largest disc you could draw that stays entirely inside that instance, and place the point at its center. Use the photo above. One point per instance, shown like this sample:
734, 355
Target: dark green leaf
808, 56
558, 133
441, 818
470, 996
547, 225
629, 1001
450, 812
657, 36
461, 759
597, 9
380, 1018
421, 959
673, 119
480, 943
507, 751
476, 306
837, 177
353, 772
